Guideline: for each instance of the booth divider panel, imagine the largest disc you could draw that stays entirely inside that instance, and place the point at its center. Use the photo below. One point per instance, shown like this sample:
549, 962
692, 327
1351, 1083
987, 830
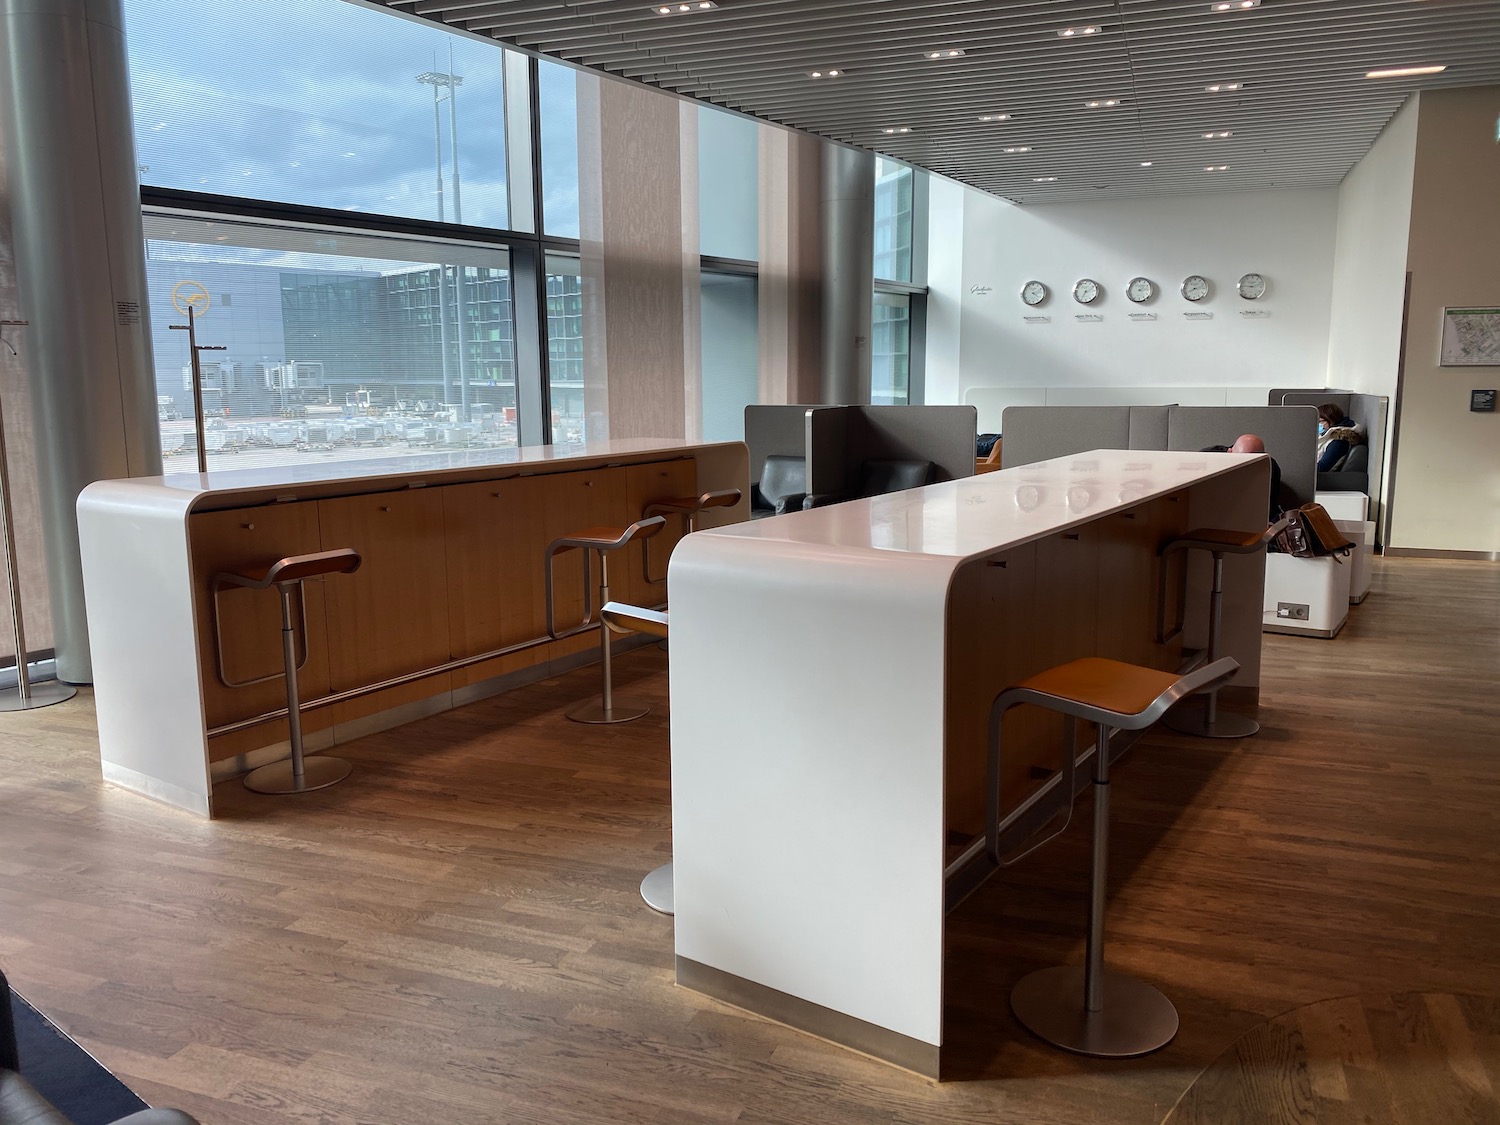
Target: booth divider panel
495, 543
243, 540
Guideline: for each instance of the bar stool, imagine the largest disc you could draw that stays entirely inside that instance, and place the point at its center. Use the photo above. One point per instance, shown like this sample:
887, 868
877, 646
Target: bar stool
656, 887
1087, 1009
688, 508
598, 541
294, 775
1209, 723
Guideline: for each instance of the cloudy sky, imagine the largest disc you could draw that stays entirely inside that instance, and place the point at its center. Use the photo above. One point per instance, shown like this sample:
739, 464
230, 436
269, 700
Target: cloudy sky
317, 102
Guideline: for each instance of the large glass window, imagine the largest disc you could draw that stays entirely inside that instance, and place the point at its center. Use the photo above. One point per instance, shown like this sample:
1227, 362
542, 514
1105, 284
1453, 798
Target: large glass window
728, 184
557, 89
731, 353
890, 351
336, 346
320, 103
893, 220
565, 348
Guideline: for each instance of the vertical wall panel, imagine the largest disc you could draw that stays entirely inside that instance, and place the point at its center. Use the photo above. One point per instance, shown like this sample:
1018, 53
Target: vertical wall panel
791, 267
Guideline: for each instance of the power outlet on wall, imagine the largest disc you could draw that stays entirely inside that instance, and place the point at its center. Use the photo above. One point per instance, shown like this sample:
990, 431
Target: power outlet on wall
1292, 611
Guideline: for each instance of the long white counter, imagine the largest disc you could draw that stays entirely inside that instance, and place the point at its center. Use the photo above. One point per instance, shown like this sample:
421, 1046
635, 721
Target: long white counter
447, 607
831, 678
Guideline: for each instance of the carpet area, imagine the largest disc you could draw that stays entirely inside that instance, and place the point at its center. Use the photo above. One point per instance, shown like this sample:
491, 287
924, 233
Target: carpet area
65, 1074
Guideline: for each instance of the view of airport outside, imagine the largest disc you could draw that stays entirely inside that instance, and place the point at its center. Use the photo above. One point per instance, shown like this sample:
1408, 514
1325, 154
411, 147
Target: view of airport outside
337, 345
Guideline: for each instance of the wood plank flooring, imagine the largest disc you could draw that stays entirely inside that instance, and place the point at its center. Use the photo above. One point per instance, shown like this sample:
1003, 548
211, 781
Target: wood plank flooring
454, 934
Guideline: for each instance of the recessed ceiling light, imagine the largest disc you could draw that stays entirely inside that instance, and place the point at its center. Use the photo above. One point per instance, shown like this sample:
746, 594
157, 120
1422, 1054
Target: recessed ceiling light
1044, 179
1216, 167
1406, 72
1079, 32
994, 117
826, 73
1147, 163
1017, 148
896, 129
946, 53
1224, 87
1102, 103
679, 8
1233, 5
1219, 135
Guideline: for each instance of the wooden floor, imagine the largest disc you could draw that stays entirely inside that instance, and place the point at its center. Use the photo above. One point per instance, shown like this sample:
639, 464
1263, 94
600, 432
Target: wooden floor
1418, 1057
453, 935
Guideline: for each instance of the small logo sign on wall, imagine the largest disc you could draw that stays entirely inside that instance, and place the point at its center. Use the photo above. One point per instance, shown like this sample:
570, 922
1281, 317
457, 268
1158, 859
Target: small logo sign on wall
980, 290
1482, 402
1197, 316
1037, 319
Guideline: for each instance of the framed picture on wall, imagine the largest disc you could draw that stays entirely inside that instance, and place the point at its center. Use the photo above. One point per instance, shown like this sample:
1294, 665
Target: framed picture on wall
1471, 338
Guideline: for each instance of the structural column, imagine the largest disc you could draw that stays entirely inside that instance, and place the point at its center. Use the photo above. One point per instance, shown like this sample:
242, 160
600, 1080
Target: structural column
81, 273
848, 273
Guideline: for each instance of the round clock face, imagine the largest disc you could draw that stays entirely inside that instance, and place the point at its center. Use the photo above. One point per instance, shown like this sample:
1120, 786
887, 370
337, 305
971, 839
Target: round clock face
1252, 286
1140, 289
1086, 292
1195, 287
1033, 293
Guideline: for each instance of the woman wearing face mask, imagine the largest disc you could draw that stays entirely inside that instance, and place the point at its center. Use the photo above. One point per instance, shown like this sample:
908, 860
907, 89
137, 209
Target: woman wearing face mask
1337, 434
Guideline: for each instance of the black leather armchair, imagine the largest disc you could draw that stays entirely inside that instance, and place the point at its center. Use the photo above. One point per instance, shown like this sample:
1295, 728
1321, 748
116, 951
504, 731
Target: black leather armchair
781, 488
876, 478
22, 1105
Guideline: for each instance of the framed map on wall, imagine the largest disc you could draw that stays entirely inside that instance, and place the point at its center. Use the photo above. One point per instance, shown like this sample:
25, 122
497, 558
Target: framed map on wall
1471, 338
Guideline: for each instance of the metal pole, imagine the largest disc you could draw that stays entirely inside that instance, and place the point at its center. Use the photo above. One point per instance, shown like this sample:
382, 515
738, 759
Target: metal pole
442, 271
1215, 621
458, 217
26, 698
293, 711
1093, 972
12, 574
197, 380
609, 684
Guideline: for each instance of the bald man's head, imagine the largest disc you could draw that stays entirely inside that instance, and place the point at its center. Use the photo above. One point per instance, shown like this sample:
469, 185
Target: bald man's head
1247, 443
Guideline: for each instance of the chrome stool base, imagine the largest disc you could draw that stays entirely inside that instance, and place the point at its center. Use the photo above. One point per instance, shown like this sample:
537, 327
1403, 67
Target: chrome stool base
44, 694
594, 711
1134, 1019
318, 772
1190, 719
656, 890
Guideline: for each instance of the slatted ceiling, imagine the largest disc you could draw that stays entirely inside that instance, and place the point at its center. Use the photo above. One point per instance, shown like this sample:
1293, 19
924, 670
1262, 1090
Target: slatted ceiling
1305, 117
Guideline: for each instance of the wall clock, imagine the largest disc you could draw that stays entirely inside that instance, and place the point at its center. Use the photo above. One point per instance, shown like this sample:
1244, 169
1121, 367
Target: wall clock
1033, 292
1252, 286
1195, 287
1086, 291
1140, 289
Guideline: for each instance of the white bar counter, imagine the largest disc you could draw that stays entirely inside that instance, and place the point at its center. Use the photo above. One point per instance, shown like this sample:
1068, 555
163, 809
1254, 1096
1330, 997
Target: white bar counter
831, 678
453, 547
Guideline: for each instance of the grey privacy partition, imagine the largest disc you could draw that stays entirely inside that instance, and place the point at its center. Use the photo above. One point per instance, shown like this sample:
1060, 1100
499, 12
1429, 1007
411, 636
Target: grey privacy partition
1290, 434
944, 435
1370, 411
1039, 433
774, 431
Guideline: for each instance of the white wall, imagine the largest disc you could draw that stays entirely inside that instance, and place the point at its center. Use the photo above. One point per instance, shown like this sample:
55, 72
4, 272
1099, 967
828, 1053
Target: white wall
1286, 236
1369, 261
1446, 493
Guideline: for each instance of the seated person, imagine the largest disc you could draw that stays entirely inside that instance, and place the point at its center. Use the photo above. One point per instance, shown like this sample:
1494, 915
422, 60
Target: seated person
1251, 443
1337, 434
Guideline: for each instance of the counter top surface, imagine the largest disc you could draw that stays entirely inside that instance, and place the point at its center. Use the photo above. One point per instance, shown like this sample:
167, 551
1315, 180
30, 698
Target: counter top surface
412, 466
962, 518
